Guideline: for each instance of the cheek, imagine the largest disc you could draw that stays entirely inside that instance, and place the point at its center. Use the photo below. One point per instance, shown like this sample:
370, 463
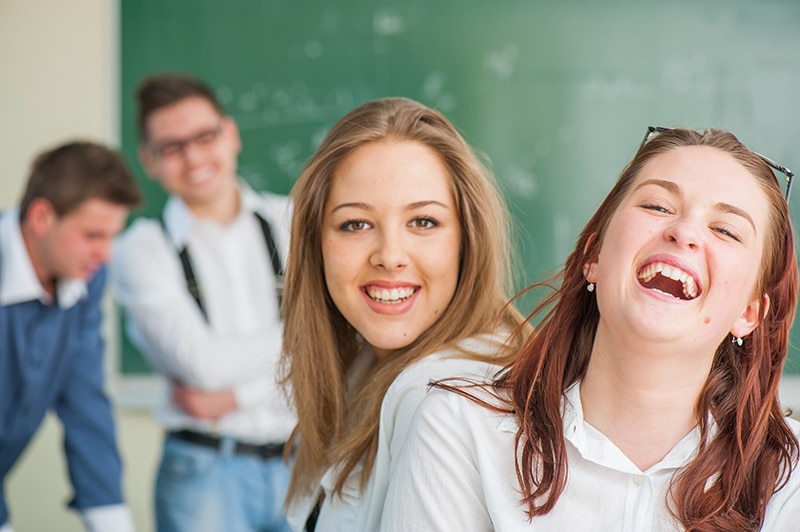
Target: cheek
739, 274
443, 266
339, 263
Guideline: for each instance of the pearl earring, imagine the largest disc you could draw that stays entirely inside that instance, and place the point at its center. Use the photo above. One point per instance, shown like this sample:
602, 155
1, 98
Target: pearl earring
737, 340
590, 287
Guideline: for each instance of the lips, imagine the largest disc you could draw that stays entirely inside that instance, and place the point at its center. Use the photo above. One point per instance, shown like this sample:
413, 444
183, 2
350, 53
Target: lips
669, 279
390, 296
200, 175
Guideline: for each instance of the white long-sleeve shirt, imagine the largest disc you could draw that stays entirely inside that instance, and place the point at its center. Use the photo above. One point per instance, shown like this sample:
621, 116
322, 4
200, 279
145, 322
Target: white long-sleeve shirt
457, 472
361, 511
239, 345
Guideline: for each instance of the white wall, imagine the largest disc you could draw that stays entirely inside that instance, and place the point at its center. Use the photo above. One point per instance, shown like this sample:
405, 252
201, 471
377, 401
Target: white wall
58, 77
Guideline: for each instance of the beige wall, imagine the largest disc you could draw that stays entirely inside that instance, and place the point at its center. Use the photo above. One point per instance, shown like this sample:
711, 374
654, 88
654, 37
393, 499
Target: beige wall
56, 80
58, 76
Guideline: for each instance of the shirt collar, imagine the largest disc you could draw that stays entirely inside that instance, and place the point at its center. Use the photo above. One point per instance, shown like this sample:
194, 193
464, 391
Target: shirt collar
594, 446
18, 280
180, 222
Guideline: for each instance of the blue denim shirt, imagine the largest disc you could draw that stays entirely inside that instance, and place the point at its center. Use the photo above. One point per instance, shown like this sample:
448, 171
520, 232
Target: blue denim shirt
51, 357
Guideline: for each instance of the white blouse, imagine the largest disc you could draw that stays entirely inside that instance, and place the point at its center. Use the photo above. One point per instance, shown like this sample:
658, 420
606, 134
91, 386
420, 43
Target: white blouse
361, 511
457, 472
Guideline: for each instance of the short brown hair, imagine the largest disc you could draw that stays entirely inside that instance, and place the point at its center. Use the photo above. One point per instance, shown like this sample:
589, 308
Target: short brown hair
72, 173
161, 90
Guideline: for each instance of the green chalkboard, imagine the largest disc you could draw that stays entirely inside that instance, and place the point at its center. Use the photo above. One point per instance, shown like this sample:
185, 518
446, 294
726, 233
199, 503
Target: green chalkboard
557, 92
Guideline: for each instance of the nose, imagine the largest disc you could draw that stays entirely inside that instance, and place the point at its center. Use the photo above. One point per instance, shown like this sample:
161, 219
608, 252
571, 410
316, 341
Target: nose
390, 251
684, 232
192, 153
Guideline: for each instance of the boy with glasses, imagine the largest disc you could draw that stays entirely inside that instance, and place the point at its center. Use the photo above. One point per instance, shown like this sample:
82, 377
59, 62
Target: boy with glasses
201, 290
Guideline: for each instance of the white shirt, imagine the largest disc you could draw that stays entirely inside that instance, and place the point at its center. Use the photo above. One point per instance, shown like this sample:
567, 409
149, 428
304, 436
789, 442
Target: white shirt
239, 346
18, 282
357, 511
457, 473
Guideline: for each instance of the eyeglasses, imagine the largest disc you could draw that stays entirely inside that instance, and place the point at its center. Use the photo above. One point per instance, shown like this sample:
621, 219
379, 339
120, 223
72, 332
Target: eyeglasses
174, 148
789, 175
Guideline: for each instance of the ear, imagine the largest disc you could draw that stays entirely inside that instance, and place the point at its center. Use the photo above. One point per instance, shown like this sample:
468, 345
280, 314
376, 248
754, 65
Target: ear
588, 271
589, 242
148, 161
231, 131
40, 216
750, 317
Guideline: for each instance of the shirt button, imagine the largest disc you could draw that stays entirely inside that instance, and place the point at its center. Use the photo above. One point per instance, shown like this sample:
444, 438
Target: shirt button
638, 480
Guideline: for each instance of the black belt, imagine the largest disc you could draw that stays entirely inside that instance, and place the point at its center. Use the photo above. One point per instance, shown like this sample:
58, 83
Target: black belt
265, 451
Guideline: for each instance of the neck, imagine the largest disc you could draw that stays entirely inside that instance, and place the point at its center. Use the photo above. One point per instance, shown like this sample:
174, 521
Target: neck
46, 279
642, 397
223, 208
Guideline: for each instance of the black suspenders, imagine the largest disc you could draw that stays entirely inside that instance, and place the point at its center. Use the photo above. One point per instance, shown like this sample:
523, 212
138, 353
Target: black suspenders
274, 256
191, 280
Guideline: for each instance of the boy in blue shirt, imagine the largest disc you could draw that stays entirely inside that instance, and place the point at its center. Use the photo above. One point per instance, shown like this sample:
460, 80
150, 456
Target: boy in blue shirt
53, 248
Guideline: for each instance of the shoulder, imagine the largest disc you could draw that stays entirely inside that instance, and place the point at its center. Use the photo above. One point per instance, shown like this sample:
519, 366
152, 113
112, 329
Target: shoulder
443, 365
275, 209
143, 251
784, 506
451, 413
272, 199
793, 482
271, 204
412, 385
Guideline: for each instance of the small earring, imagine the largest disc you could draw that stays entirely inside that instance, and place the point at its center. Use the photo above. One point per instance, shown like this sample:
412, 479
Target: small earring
737, 340
590, 287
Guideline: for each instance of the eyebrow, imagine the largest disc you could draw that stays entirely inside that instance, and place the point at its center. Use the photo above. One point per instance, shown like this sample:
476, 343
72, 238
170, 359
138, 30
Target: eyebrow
673, 187
368, 207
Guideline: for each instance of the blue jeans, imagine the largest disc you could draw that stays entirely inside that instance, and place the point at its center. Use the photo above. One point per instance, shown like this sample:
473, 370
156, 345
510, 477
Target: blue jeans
200, 489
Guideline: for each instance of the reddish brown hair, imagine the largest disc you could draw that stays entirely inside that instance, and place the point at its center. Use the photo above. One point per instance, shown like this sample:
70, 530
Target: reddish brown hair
727, 486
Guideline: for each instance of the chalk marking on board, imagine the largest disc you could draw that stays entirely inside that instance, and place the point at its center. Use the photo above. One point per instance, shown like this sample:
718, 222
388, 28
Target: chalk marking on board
387, 22
521, 181
612, 89
562, 237
502, 62
261, 106
433, 92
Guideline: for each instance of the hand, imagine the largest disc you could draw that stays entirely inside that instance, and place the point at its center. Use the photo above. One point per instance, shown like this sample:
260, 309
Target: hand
203, 405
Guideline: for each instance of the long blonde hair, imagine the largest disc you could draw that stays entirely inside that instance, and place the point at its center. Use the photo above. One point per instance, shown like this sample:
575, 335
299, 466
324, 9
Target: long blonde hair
320, 345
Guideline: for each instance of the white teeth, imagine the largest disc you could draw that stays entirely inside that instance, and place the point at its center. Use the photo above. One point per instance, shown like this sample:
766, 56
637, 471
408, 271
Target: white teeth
688, 282
390, 296
690, 288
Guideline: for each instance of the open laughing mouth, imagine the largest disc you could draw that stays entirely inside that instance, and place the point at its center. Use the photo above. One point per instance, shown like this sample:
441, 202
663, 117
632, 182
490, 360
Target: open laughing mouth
390, 296
670, 280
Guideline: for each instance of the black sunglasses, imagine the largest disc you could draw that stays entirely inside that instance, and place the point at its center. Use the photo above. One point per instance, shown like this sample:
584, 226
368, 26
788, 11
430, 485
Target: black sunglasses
652, 130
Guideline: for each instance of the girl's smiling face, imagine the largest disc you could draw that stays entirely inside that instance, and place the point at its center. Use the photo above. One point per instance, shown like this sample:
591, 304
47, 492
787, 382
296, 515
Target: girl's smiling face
391, 241
681, 256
